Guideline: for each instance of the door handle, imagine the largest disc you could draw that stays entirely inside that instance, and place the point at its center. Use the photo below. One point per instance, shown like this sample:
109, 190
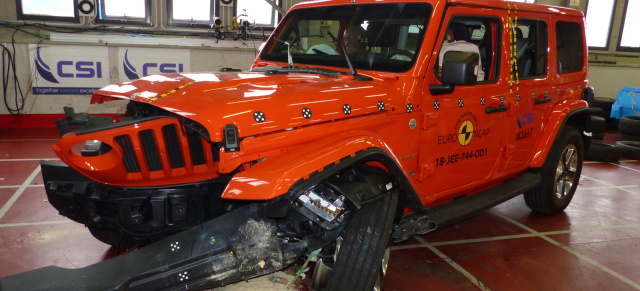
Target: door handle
542, 100
501, 108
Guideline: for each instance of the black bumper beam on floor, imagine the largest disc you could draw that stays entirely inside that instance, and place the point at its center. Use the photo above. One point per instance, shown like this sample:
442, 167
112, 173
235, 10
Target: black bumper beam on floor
235, 246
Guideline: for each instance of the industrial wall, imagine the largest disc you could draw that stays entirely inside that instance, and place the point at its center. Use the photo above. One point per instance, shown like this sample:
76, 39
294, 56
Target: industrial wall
85, 61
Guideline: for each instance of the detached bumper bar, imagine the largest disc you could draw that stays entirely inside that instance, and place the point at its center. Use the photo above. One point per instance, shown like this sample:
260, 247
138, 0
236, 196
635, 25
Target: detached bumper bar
235, 246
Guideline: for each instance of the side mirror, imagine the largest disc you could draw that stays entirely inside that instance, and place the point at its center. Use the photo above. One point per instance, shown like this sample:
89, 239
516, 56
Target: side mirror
460, 68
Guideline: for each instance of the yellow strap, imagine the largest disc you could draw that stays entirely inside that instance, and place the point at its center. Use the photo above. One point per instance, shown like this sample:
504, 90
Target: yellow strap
511, 43
170, 92
515, 25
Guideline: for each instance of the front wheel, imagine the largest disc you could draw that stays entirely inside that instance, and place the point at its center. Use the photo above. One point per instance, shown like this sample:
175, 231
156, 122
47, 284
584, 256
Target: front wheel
361, 256
560, 175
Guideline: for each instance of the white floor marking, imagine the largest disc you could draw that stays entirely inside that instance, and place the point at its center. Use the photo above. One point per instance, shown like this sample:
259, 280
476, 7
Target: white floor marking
611, 185
621, 166
16, 195
607, 187
453, 264
596, 162
576, 253
591, 209
517, 236
35, 223
17, 186
20, 160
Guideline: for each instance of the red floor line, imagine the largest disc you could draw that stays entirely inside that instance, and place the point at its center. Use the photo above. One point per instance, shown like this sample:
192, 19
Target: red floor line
31, 139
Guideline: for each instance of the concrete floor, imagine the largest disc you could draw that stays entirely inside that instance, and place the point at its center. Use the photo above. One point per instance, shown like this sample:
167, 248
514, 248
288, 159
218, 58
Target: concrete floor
593, 245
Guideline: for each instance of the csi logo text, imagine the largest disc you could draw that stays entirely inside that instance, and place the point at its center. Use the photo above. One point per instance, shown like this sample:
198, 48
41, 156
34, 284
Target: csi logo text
165, 68
525, 119
81, 69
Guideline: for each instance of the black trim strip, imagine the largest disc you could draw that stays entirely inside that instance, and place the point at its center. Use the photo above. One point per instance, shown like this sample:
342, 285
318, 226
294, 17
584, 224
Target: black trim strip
172, 144
129, 159
150, 148
196, 149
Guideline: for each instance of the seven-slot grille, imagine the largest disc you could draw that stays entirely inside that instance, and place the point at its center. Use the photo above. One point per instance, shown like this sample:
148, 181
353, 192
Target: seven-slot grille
168, 141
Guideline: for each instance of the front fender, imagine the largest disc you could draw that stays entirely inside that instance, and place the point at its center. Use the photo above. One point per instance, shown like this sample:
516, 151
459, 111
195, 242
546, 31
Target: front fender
275, 176
575, 112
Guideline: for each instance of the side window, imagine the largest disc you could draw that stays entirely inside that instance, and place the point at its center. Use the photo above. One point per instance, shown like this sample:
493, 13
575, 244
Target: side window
569, 45
257, 12
136, 12
47, 10
630, 40
531, 48
474, 34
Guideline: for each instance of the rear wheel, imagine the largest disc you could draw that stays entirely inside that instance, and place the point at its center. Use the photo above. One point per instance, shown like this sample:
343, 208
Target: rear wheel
560, 175
358, 260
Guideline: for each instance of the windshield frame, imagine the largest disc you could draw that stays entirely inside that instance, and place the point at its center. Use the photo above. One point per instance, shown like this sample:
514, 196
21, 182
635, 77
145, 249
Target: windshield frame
394, 19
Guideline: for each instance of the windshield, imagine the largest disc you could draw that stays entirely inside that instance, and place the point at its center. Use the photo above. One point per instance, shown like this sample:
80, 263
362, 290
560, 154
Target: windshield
380, 37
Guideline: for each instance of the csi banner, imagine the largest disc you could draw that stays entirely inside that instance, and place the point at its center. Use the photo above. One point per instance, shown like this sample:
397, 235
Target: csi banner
136, 63
68, 70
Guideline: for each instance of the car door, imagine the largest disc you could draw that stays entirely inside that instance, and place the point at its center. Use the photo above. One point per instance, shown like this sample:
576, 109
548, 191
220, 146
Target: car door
532, 93
462, 137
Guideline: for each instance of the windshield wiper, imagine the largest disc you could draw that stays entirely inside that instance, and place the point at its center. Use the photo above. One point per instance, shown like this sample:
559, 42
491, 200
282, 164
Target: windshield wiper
289, 58
272, 70
354, 73
346, 55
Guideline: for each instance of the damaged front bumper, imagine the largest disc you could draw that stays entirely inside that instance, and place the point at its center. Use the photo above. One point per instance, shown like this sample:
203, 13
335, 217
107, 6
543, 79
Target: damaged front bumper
238, 245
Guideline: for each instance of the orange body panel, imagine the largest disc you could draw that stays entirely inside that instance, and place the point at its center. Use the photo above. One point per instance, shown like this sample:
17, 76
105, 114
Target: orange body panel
109, 168
309, 121
275, 176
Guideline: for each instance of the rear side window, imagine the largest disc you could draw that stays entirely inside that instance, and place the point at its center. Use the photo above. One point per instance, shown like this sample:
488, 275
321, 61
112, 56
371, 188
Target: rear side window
569, 44
531, 48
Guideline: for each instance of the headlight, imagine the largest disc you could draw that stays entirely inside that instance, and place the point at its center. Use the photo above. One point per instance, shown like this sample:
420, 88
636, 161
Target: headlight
94, 148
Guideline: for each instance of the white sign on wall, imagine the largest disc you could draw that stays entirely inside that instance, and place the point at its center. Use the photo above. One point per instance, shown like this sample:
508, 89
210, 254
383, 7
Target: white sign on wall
135, 63
68, 70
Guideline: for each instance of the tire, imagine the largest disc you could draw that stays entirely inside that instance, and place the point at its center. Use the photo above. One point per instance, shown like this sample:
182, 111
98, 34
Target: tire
604, 103
596, 111
598, 136
560, 175
366, 237
611, 124
597, 124
629, 149
630, 125
629, 137
602, 151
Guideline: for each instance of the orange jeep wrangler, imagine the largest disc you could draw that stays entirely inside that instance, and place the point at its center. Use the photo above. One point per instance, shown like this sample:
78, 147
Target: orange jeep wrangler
361, 121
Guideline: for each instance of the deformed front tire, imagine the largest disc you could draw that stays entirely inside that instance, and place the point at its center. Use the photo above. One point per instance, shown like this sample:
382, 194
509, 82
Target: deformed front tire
359, 263
560, 174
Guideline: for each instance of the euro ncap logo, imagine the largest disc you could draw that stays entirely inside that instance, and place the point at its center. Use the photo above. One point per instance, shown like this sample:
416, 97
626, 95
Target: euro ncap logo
43, 68
465, 132
129, 70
